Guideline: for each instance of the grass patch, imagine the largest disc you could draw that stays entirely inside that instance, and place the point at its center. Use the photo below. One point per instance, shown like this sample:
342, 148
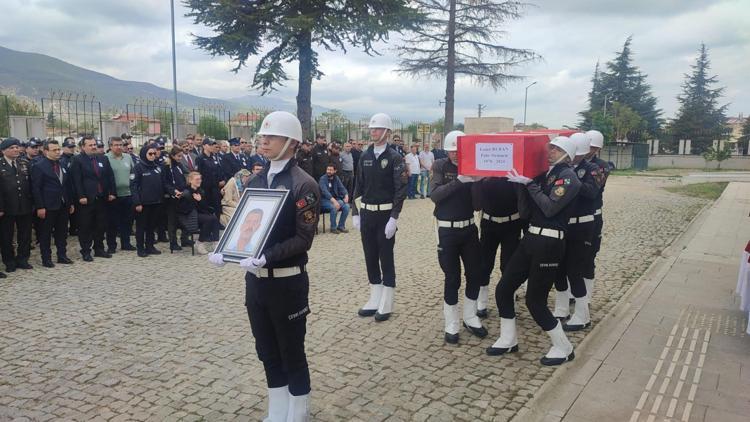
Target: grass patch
710, 190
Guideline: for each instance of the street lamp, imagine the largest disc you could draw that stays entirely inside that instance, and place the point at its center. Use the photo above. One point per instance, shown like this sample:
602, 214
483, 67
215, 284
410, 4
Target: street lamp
525, 100
604, 116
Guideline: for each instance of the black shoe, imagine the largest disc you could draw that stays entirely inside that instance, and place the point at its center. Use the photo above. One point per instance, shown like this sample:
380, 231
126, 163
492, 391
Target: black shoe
334, 231
367, 312
2, 275
9, 268
451, 338
382, 317
102, 254
111, 251
48, 263
153, 251
87, 257
128, 248
24, 265
343, 230
64, 260
497, 351
576, 327
187, 243
480, 332
482, 313
556, 361
175, 247
142, 253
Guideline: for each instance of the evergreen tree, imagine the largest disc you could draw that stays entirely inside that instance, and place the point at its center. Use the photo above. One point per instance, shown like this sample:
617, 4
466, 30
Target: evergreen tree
700, 118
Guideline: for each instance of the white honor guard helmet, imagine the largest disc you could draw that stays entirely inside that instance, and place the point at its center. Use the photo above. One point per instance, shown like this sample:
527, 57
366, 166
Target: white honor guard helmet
565, 144
582, 143
596, 138
381, 120
451, 140
282, 123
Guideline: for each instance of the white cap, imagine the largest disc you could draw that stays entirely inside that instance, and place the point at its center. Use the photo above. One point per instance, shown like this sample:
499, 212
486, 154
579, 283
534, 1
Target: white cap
595, 138
566, 144
381, 120
451, 140
281, 123
583, 145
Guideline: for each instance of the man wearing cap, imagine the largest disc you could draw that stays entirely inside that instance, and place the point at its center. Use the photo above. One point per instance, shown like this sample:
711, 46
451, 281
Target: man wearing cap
321, 157
304, 157
546, 202
233, 161
120, 211
210, 171
32, 151
50, 184
68, 151
99, 146
458, 241
94, 186
15, 206
381, 184
276, 281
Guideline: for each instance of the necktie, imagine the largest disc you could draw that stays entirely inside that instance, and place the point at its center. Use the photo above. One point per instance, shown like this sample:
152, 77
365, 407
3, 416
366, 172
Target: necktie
99, 188
190, 162
56, 168
13, 164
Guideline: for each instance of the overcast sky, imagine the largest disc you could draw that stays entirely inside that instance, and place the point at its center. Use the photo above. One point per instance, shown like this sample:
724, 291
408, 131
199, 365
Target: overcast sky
130, 40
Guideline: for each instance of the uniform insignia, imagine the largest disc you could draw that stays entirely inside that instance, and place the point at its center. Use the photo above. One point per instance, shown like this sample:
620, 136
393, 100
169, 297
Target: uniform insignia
301, 203
551, 180
559, 182
367, 163
559, 191
384, 163
311, 199
581, 173
309, 217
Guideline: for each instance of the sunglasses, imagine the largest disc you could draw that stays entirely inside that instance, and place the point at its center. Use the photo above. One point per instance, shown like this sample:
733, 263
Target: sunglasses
243, 143
150, 153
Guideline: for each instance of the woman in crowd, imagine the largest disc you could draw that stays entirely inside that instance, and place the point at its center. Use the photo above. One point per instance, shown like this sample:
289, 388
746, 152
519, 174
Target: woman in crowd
176, 175
197, 215
147, 187
232, 192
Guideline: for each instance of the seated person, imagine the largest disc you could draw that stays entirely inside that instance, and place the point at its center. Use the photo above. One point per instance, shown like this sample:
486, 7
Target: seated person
231, 193
334, 198
196, 215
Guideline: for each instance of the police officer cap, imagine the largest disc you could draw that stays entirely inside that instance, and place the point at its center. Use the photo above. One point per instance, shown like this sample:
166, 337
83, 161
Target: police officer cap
9, 142
161, 140
125, 136
99, 143
34, 142
68, 143
208, 141
234, 141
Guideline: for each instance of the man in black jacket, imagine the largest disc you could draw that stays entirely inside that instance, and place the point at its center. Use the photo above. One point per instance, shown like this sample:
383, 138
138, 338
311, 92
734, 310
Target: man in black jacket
210, 170
15, 206
321, 157
50, 186
94, 185
233, 160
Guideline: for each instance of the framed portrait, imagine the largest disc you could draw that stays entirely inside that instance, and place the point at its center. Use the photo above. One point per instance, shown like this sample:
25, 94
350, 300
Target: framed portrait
251, 224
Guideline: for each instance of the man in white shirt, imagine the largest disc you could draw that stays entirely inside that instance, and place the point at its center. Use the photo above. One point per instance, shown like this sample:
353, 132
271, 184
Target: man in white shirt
426, 158
412, 161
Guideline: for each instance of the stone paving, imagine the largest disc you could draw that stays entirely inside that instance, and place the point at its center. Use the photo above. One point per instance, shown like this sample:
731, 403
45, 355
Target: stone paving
167, 338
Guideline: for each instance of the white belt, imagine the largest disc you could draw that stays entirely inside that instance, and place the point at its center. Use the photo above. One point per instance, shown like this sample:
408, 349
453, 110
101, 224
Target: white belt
455, 224
278, 272
582, 219
512, 217
557, 234
377, 207
598, 212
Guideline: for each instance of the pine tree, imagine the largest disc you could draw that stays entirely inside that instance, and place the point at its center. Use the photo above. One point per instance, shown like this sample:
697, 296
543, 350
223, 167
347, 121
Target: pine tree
624, 83
700, 118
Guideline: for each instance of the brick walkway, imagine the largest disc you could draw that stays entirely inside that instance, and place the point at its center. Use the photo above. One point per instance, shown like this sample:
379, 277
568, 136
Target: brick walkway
167, 338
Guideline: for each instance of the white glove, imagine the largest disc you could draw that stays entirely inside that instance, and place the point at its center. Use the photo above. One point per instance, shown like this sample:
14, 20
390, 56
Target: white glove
216, 259
390, 228
466, 179
514, 177
355, 221
252, 264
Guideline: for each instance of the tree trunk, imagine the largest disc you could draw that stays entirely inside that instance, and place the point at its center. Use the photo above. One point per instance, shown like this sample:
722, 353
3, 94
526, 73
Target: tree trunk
450, 74
304, 90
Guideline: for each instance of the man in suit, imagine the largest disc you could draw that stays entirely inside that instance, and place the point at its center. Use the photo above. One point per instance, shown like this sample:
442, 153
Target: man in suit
15, 206
94, 185
189, 159
233, 161
50, 188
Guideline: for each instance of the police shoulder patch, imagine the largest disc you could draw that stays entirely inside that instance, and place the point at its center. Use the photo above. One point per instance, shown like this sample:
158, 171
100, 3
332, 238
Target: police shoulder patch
559, 191
309, 216
384, 163
581, 172
311, 198
559, 182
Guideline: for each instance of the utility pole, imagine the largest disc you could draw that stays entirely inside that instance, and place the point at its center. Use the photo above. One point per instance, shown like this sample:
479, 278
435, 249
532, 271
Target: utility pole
480, 107
174, 76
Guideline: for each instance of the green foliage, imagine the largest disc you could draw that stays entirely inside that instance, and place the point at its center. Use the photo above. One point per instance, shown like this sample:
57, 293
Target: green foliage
212, 127
623, 82
709, 190
700, 118
165, 118
13, 105
717, 154
624, 121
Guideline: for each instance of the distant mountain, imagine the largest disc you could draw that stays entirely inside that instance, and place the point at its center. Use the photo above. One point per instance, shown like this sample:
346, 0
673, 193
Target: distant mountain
36, 75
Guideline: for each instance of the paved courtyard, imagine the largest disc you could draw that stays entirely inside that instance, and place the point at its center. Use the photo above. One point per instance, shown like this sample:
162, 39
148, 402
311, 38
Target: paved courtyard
167, 338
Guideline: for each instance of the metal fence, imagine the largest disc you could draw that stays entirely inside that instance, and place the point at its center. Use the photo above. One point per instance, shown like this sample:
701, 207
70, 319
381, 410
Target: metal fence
68, 114
147, 119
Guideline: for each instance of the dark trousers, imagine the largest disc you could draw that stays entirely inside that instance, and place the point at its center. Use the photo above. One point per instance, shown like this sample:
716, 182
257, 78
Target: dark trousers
73, 222
507, 236
92, 223
162, 223
145, 224
277, 309
378, 250
20, 225
214, 200
347, 178
590, 270
578, 253
209, 227
54, 224
172, 223
537, 259
456, 246
119, 221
